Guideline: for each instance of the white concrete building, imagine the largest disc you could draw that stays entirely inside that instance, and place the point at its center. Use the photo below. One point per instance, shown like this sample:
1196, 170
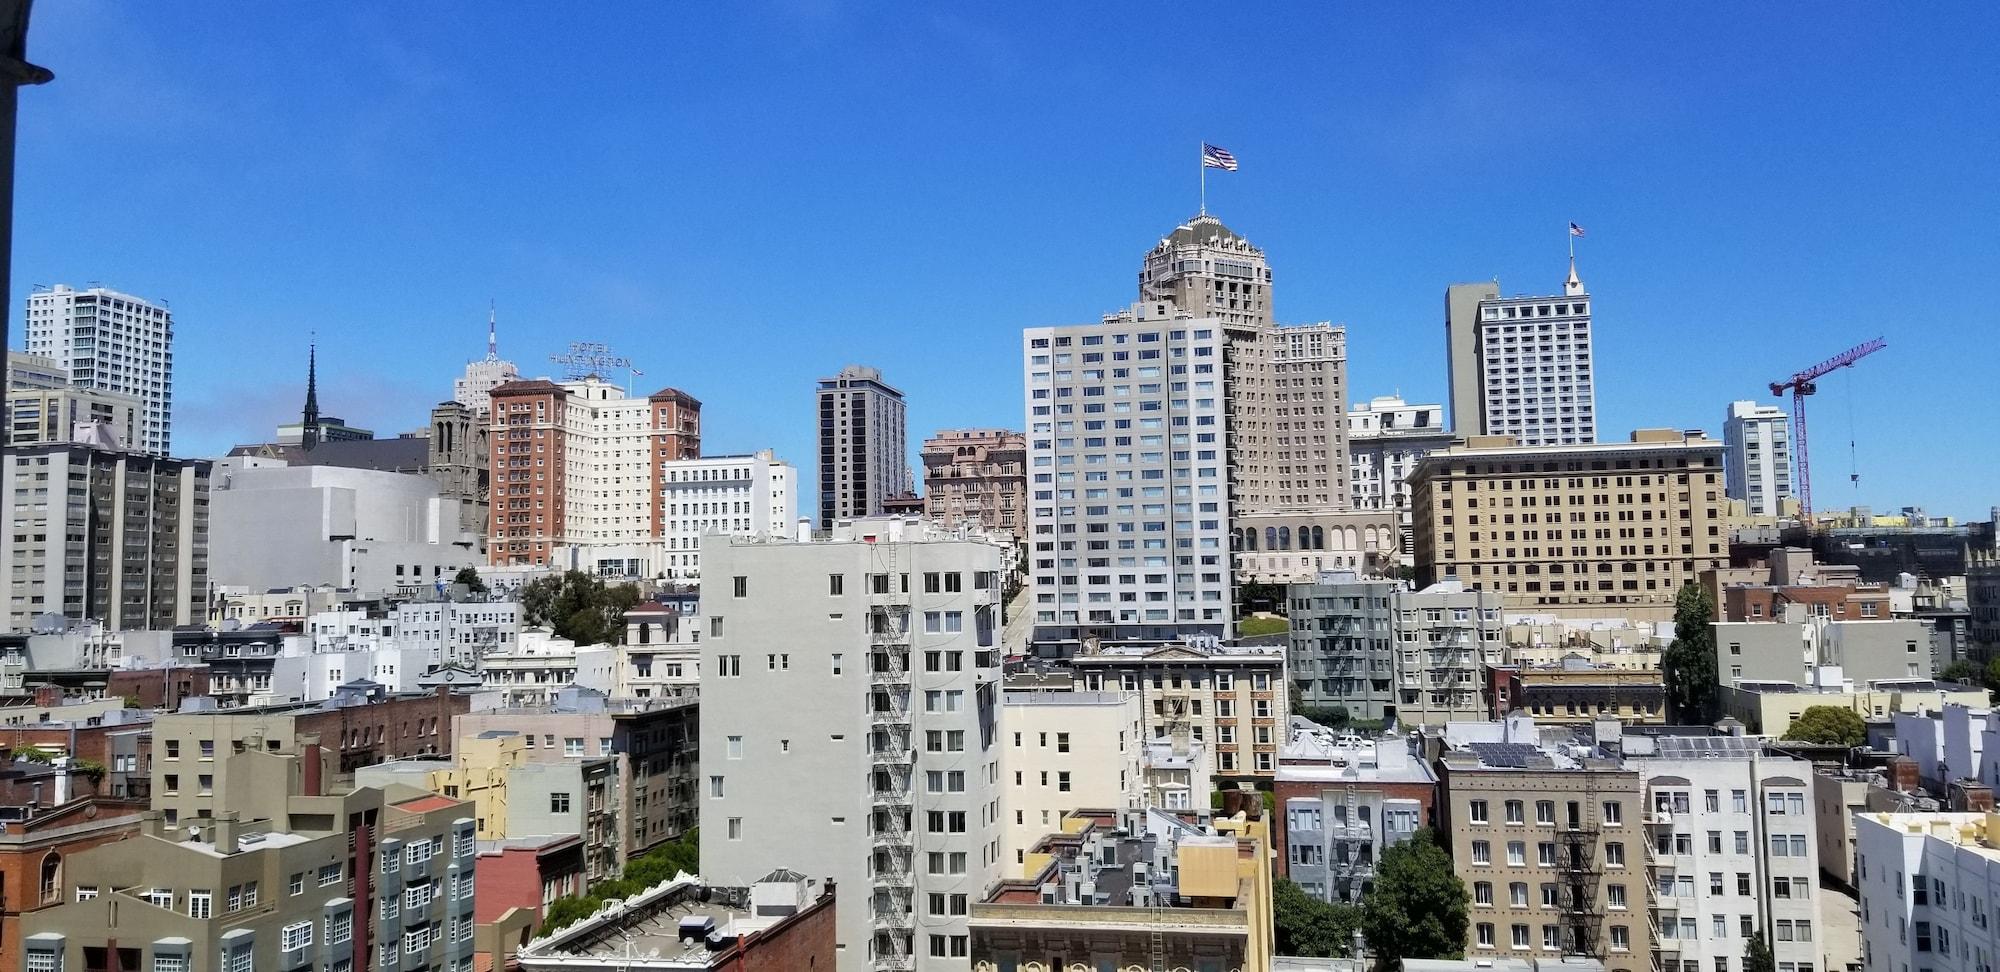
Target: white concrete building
849, 707
1064, 751
457, 632
1949, 744
1757, 457
863, 450
661, 656
1732, 849
111, 342
369, 531
1930, 891
1522, 366
742, 496
539, 665
112, 536
1128, 480
1385, 439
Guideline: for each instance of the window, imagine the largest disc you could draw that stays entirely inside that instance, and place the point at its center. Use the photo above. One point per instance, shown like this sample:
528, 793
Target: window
1482, 893
1517, 894
1614, 812
1621, 939
329, 875
169, 963
1484, 931
740, 587
1614, 854
735, 828
297, 884
201, 904
836, 585
44, 960
735, 747
1517, 853
295, 936
1520, 936
572, 745
715, 787
559, 803
1614, 895
1514, 811
1545, 812
238, 959
250, 895
1482, 852
1478, 811
340, 928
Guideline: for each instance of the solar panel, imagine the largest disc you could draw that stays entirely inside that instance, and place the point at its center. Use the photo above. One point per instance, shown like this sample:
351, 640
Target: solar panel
1505, 755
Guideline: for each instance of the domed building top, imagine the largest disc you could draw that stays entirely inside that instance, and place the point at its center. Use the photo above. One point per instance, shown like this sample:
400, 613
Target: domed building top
1206, 230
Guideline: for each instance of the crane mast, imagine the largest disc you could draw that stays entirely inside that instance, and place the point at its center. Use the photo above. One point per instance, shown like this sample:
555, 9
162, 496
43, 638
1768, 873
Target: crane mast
1805, 383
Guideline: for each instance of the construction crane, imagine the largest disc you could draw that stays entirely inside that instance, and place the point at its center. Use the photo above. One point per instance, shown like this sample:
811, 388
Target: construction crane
1805, 383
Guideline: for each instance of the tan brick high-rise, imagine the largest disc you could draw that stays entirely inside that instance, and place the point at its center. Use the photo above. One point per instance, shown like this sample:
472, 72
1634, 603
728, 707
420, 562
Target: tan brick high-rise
1582, 530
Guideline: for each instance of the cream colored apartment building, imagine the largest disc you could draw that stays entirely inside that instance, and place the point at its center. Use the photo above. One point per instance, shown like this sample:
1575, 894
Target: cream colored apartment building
1593, 530
1061, 752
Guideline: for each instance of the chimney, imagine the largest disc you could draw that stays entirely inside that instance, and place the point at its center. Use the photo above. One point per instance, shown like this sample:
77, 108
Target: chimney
48, 695
222, 831
1903, 775
1968, 796
313, 766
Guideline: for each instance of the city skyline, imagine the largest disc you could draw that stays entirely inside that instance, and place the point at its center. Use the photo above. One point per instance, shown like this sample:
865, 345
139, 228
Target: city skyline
1744, 223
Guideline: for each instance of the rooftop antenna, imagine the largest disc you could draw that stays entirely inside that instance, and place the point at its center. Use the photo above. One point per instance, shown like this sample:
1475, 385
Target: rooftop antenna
492, 332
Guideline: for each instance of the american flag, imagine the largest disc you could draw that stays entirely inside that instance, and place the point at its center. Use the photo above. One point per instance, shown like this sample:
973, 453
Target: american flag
1217, 157
1575, 230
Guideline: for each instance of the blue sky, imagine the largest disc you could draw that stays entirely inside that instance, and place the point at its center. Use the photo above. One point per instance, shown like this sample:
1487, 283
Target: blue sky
745, 196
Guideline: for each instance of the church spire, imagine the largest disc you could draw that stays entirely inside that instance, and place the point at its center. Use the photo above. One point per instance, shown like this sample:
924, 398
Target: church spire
309, 430
1573, 287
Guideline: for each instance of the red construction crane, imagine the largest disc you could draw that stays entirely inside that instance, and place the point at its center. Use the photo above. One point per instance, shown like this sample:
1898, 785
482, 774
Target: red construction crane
1805, 383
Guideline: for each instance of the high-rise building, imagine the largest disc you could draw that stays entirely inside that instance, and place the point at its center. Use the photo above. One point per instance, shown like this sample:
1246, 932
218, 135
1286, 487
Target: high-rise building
979, 475
110, 342
1285, 394
474, 389
53, 416
1129, 502
1521, 366
1581, 530
863, 456
885, 717
580, 464
110, 536
1758, 458
1385, 440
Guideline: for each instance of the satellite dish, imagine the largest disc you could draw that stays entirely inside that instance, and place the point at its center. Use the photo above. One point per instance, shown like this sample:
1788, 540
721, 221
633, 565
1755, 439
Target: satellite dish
194, 833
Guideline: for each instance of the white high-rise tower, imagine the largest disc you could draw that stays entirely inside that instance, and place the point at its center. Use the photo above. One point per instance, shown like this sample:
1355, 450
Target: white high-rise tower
111, 342
1757, 458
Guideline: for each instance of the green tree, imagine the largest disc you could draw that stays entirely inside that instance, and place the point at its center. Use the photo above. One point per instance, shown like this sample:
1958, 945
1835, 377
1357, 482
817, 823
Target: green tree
1335, 717
1253, 597
1417, 909
579, 606
1828, 725
1757, 956
683, 853
1311, 927
470, 578
1993, 675
1689, 664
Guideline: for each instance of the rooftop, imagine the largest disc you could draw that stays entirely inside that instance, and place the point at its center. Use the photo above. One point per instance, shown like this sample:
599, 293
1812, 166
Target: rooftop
680, 923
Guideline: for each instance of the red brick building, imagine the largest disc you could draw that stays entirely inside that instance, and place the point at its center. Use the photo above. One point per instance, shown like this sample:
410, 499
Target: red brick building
32, 852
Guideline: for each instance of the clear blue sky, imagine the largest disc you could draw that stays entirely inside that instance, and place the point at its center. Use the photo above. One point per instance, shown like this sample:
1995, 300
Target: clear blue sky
745, 196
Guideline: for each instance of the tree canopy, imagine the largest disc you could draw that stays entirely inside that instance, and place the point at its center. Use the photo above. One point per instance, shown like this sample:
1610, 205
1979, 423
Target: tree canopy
1311, 927
1757, 955
1335, 717
1417, 907
642, 872
1828, 725
579, 606
469, 576
1689, 663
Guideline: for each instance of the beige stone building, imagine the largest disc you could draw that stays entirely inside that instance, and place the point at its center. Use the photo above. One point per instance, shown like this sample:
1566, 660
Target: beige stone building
1549, 843
1231, 699
1285, 389
1594, 530
977, 474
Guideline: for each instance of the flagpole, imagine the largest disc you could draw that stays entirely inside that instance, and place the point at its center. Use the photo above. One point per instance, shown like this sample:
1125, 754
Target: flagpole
1570, 234
1201, 159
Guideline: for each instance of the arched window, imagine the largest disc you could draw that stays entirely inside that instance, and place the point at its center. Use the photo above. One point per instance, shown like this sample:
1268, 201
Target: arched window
1250, 539
1284, 538
51, 877
1319, 538
1271, 538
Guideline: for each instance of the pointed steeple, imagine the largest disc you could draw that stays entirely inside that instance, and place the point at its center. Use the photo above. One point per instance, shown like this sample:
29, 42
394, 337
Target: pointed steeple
1573, 287
492, 333
309, 431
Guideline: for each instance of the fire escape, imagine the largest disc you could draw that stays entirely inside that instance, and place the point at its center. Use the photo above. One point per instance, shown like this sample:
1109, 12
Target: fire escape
892, 765
1580, 871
